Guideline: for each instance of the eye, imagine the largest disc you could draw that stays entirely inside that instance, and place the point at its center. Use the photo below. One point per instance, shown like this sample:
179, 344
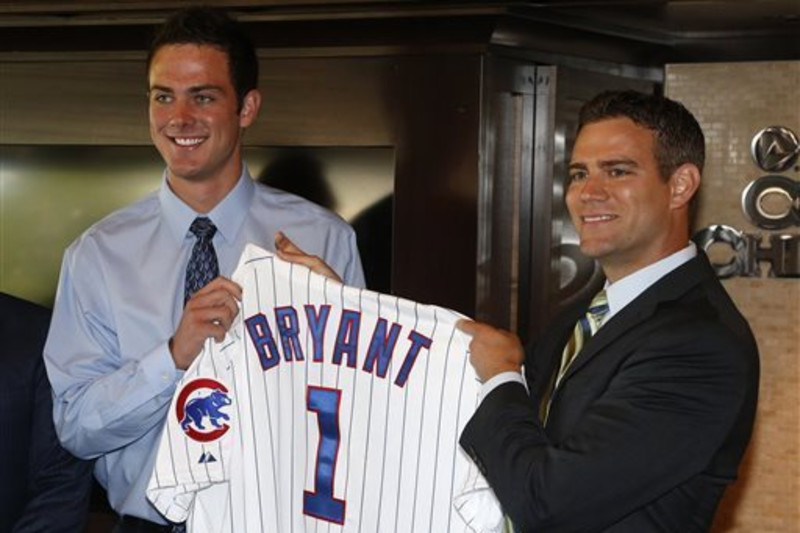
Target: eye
161, 98
203, 98
577, 175
618, 172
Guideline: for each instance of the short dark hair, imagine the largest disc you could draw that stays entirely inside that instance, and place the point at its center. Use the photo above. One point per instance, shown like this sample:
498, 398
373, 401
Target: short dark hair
202, 25
679, 138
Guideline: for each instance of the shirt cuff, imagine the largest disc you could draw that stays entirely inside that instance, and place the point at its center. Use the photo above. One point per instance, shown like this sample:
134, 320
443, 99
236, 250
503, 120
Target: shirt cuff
159, 367
501, 378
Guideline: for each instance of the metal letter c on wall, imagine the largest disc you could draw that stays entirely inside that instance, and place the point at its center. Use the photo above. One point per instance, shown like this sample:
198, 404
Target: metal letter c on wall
734, 238
758, 190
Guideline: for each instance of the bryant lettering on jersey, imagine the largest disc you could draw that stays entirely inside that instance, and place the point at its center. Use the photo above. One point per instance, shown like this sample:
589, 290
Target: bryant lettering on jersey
326, 409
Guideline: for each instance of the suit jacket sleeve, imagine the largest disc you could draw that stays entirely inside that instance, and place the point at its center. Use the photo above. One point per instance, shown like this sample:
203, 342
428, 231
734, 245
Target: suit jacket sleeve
673, 397
56, 484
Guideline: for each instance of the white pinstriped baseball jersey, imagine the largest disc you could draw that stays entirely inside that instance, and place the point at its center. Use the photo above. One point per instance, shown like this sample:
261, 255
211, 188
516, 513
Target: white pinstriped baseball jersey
327, 409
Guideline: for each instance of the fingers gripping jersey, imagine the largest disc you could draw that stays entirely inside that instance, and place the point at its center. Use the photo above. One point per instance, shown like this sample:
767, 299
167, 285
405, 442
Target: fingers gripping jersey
326, 409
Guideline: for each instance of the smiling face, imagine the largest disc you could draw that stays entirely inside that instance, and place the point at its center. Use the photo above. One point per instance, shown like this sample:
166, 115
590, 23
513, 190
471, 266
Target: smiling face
626, 214
195, 122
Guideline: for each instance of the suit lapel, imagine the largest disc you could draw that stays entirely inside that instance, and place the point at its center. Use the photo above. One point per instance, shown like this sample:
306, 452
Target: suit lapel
669, 288
541, 367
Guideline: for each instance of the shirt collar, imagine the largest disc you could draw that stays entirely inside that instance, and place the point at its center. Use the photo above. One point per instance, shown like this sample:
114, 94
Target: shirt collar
624, 291
228, 215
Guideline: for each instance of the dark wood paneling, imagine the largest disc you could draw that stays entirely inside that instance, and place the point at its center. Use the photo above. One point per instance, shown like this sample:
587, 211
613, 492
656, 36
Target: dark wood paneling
436, 182
325, 102
646, 33
74, 102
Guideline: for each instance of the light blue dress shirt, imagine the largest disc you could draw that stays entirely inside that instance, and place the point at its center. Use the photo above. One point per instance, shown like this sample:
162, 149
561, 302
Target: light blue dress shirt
120, 299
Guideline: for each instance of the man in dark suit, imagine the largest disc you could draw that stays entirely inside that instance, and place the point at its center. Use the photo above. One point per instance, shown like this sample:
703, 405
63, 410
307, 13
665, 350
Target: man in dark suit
643, 429
42, 487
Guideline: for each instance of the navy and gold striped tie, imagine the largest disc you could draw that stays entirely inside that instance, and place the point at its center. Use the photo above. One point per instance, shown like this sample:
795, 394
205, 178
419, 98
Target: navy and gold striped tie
586, 326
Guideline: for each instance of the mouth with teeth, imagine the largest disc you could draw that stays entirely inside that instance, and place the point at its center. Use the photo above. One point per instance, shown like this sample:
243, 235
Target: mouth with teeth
591, 219
188, 141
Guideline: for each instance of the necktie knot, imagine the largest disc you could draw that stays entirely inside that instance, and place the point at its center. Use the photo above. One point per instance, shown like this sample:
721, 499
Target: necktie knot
598, 309
203, 228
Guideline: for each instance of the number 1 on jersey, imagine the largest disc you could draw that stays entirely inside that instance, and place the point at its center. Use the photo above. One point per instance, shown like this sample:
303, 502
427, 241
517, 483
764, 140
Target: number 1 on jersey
320, 503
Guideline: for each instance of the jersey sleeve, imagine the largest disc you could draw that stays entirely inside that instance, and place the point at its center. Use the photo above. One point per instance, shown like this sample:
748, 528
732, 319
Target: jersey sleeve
473, 498
478, 506
194, 451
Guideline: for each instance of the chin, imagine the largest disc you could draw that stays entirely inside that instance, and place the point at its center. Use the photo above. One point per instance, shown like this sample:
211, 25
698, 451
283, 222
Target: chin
186, 174
595, 250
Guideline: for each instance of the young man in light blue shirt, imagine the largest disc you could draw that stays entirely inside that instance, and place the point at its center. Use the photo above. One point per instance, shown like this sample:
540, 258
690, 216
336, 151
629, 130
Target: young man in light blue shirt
121, 335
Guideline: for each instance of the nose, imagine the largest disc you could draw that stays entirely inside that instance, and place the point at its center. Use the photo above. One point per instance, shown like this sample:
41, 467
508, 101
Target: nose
181, 114
592, 188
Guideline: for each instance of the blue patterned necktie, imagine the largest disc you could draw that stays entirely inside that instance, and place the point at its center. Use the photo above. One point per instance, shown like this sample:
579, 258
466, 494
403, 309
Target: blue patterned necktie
202, 266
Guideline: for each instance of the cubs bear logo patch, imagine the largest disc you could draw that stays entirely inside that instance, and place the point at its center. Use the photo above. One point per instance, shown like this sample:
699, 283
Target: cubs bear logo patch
199, 409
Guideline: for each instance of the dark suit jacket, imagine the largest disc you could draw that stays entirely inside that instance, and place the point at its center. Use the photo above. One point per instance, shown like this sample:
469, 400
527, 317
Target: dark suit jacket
42, 487
648, 426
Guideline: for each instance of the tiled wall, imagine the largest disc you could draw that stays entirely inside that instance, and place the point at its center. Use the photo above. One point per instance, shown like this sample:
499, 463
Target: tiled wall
733, 101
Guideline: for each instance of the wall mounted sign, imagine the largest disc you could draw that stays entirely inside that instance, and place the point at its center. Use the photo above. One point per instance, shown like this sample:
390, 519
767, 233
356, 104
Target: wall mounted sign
748, 250
772, 202
775, 149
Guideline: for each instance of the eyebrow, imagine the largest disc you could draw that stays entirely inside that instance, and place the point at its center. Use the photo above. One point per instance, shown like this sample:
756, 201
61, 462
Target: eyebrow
192, 90
159, 88
201, 88
616, 162
605, 164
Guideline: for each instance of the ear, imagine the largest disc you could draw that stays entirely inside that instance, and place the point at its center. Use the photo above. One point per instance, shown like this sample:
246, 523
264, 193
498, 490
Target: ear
683, 185
251, 103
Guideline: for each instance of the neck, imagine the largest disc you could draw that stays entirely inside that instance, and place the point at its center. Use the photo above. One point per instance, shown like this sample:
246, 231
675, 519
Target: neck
676, 236
616, 270
202, 196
